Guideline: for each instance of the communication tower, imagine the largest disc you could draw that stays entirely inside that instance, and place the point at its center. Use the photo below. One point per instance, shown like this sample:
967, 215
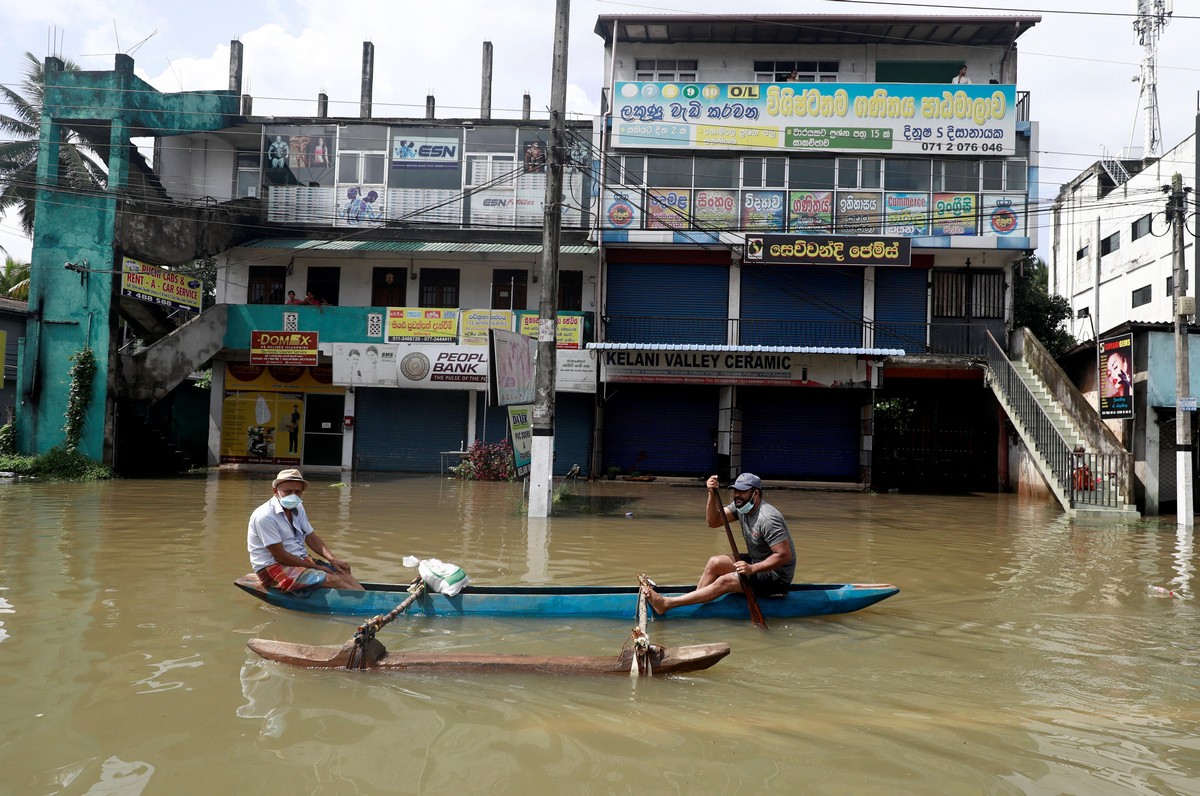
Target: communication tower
1152, 17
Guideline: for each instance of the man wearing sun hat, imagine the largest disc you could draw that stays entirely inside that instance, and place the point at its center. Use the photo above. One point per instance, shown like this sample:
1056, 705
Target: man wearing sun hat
280, 535
769, 563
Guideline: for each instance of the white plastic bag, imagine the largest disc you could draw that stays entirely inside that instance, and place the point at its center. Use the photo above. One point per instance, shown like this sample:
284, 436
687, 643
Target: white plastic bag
447, 579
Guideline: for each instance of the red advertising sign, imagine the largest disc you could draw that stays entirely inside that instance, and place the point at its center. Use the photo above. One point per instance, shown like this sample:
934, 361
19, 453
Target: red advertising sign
283, 348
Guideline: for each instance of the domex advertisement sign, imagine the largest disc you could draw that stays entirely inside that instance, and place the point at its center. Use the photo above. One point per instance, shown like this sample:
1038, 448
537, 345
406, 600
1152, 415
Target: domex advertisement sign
900, 118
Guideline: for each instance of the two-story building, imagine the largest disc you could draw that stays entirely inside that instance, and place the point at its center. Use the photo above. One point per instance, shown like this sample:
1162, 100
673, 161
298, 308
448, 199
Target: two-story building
803, 217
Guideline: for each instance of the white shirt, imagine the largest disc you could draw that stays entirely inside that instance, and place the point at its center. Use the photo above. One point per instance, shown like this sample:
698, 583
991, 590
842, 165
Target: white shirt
961, 80
269, 525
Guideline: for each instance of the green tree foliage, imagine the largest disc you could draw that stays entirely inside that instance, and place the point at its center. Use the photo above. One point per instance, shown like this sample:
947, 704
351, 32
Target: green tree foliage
14, 280
1034, 307
79, 166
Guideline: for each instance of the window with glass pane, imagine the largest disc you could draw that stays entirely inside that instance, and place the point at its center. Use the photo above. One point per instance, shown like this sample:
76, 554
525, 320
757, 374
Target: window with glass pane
348, 167
775, 172
870, 173
635, 169
668, 172
988, 295
752, 169
1016, 175
956, 175
949, 294
811, 173
717, 172
847, 172
906, 174
374, 168
993, 175
612, 169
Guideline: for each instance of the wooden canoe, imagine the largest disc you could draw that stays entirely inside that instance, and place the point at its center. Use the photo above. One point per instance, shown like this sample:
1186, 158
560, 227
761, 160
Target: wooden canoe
605, 602
664, 660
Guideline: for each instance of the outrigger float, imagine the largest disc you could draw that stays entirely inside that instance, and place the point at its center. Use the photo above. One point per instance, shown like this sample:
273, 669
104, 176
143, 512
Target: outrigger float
364, 652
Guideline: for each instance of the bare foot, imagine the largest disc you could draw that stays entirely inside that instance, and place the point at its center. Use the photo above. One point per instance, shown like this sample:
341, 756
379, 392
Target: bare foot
656, 600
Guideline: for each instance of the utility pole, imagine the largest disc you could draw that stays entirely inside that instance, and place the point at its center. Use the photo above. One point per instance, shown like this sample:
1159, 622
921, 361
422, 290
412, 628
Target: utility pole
1185, 511
541, 464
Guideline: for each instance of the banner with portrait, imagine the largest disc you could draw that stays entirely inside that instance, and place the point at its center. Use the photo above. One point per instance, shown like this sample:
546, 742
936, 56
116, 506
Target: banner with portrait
1116, 377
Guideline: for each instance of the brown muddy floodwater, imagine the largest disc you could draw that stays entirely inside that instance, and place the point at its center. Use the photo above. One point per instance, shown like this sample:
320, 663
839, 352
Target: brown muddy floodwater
1024, 653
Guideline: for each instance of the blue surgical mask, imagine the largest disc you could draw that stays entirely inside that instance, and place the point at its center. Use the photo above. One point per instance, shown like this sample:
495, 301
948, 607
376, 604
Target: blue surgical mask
290, 502
745, 508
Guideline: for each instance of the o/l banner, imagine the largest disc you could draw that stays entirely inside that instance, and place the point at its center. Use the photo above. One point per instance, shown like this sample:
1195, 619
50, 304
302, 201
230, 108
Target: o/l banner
901, 118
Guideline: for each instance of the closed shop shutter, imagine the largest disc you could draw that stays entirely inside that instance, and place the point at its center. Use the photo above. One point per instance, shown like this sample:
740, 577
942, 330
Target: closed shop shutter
801, 305
667, 303
901, 296
800, 434
405, 430
573, 418
661, 429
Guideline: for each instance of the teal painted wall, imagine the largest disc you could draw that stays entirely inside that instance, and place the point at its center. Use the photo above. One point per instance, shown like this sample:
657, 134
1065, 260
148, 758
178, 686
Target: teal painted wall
70, 310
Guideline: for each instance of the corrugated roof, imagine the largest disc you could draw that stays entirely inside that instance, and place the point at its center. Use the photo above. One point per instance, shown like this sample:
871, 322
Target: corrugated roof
765, 349
301, 244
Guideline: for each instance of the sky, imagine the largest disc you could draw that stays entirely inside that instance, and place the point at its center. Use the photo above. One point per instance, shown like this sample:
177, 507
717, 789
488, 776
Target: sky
1079, 66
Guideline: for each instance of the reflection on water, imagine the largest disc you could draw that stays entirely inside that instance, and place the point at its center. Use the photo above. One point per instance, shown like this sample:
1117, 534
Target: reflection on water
1025, 653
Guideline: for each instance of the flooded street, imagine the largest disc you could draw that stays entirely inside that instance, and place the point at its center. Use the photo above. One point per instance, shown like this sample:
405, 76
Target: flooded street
1024, 653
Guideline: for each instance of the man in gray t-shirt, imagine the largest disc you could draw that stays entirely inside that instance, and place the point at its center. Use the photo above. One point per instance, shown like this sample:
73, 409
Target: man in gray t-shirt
769, 563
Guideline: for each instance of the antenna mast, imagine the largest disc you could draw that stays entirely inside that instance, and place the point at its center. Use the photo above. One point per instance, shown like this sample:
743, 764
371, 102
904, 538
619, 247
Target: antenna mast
1153, 16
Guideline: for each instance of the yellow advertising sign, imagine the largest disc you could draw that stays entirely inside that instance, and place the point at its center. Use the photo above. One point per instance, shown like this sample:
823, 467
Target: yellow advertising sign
568, 333
422, 325
475, 324
153, 285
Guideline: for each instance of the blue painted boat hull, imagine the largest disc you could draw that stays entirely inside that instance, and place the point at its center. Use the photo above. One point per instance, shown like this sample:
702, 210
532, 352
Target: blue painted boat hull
602, 602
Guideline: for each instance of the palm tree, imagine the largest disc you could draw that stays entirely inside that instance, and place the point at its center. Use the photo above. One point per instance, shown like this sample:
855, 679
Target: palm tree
14, 280
79, 166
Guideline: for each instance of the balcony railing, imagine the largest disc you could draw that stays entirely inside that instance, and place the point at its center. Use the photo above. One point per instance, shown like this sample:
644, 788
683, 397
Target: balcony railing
955, 339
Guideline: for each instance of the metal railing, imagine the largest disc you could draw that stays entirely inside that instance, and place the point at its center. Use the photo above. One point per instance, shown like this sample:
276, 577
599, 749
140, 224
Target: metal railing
952, 339
1089, 479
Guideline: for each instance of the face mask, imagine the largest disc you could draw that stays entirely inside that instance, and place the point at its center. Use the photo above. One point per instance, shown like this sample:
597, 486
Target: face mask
745, 508
290, 502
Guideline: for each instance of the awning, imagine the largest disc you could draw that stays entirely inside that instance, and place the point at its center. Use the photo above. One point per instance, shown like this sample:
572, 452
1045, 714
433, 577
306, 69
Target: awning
751, 349
302, 244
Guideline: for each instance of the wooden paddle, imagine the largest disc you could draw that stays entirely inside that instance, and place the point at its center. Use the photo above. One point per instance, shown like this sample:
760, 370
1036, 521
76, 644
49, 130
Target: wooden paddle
751, 601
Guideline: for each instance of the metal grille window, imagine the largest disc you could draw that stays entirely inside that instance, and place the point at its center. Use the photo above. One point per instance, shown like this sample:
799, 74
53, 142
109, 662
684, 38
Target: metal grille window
949, 295
374, 324
963, 294
988, 295
1141, 296
291, 321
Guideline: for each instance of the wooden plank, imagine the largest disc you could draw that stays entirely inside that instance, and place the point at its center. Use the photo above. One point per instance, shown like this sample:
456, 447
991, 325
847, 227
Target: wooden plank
665, 660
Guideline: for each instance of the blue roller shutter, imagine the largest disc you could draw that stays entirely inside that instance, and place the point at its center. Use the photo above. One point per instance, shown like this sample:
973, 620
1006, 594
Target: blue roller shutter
573, 417
667, 303
801, 305
674, 426
404, 430
800, 434
901, 298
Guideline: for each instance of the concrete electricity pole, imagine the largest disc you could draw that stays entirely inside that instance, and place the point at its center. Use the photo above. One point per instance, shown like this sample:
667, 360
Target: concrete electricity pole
1184, 512
541, 464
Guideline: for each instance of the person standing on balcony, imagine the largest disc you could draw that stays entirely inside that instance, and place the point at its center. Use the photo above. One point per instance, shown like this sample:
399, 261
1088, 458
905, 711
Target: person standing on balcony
961, 78
769, 563
291, 299
279, 537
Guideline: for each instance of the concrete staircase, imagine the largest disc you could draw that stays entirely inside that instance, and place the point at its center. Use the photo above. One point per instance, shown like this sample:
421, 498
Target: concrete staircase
1088, 475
